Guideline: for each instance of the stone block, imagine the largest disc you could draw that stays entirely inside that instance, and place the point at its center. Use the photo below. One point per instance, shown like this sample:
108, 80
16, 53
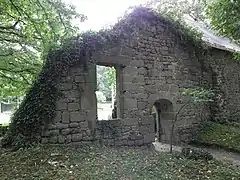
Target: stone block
61, 105
135, 136
83, 124
141, 105
139, 142
73, 125
137, 63
65, 117
44, 140
58, 117
87, 138
51, 126
130, 86
53, 140
130, 103
73, 94
144, 130
119, 143
77, 116
61, 126
130, 121
76, 137
66, 86
73, 106
54, 132
76, 130
79, 79
147, 120
61, 139
66, 131
149, 138
130, 143
130, 71
69, 139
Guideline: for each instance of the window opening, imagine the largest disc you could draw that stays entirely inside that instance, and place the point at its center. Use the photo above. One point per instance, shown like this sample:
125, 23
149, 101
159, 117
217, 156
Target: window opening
106, 93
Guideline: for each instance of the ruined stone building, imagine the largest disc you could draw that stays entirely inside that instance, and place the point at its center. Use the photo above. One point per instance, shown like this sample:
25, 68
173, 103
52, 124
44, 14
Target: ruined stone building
153, 63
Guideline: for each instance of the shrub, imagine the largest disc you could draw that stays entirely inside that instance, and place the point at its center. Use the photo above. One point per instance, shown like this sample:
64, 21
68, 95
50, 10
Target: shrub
3, 130
219, 135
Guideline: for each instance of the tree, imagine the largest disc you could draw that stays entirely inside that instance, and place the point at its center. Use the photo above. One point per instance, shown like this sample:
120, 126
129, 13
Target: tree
28, 30
194, 8
106, 80
224, 16
196, 96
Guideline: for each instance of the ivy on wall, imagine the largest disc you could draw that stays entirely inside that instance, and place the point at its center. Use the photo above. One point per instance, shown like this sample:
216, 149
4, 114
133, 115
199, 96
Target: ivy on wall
38, 107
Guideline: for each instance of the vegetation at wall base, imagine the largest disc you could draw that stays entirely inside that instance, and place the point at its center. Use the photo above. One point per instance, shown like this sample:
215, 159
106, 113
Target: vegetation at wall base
219, 136
3, 130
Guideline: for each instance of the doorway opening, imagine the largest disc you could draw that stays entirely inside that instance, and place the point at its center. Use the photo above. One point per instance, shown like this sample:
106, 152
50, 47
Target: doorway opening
107, 92
162, 112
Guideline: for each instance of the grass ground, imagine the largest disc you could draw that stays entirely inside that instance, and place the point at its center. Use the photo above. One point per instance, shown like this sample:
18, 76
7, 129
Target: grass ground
219, 135
93, 162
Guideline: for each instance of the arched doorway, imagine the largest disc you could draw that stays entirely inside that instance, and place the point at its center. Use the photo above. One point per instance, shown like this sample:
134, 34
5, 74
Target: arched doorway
162, 112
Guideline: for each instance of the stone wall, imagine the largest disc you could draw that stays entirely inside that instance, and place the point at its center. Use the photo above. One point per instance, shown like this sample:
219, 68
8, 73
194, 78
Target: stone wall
226, 81
152, 65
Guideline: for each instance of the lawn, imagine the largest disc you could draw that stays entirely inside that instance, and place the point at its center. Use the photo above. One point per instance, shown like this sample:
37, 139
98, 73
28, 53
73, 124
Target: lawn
95, 162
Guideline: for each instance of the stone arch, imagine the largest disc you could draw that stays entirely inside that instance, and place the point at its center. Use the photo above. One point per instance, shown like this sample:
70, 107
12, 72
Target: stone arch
163, 113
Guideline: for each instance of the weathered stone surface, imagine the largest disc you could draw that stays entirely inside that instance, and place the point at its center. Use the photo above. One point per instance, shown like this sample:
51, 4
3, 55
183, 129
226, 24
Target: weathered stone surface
79, 79
83, 124
53, 140
77, 116
58, 117
66, 131
73, 125
61, 105
73, 107
44, 140
130, 103
61, 139
149, 138
65, 117
61, 126
76, 137
69, 139
151, 68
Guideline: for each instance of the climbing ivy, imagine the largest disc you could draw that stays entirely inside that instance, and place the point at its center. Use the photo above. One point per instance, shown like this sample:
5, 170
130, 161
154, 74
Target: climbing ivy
38, 107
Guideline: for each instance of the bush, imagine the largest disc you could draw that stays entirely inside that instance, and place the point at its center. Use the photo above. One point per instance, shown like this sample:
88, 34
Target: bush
219, 135
3, 130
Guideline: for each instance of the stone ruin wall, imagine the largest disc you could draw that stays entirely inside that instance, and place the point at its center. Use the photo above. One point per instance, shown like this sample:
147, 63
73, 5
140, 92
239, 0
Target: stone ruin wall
153, 66
226, 81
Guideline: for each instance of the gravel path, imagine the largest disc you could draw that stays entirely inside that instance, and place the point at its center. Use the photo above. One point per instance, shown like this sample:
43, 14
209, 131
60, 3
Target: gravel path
219, 154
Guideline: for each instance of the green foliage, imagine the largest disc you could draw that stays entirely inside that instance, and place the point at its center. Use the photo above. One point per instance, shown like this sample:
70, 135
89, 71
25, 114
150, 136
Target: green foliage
38, 107
199, 95
224, 17
28, 29
219, 135
96, 162
193, 8
106, 80
3, 130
